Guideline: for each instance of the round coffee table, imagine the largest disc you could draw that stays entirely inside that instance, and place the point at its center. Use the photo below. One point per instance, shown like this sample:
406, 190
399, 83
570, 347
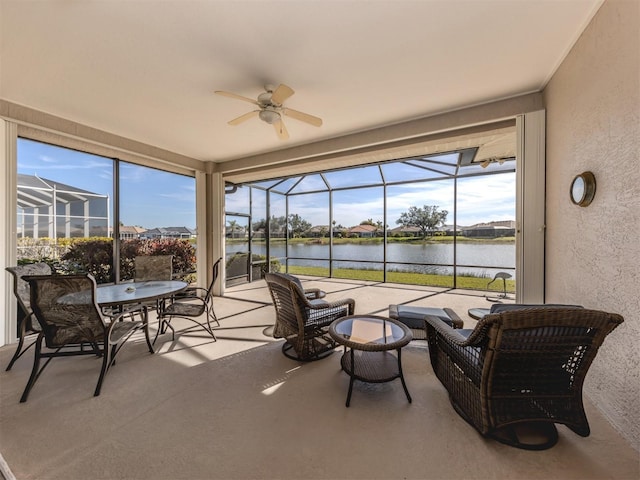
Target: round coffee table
368, 341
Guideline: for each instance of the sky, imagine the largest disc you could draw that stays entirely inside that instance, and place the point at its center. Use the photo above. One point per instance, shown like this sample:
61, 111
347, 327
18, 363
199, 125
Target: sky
149, 198
480, 199
152, 198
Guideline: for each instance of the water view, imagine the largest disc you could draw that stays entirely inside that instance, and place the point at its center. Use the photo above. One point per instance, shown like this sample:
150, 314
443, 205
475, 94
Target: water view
473, 259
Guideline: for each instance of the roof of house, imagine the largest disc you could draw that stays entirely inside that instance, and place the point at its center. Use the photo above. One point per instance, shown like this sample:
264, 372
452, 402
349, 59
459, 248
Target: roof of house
132, 229
363, 229
171, 231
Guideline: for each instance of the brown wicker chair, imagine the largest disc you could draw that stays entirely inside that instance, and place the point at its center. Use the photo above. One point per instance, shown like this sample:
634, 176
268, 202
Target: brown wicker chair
311, 293
302, 322
520, 372
27, 325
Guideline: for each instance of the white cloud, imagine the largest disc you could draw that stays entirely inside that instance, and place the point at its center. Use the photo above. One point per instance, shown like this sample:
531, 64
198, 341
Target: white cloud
480, 199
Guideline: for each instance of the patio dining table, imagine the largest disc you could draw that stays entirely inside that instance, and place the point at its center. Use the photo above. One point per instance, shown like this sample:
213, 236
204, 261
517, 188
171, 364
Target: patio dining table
137, 292
121, 294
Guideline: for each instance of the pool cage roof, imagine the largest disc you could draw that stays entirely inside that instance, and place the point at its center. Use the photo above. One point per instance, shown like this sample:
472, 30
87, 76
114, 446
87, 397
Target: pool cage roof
34, 191
460, 163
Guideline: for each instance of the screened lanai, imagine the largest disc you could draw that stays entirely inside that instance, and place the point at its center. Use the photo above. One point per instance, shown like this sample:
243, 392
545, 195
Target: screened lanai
445, 219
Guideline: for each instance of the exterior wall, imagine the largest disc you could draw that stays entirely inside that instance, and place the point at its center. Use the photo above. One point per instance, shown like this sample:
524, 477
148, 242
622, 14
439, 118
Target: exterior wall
593, 253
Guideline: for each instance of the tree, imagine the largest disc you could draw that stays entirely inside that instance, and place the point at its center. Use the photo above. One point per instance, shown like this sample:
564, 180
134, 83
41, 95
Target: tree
277, 225
426, 218
259, 225
233, 225
297, 225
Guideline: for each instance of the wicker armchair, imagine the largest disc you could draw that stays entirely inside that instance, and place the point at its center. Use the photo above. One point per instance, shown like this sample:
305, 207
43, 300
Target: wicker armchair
520, 372
302, 322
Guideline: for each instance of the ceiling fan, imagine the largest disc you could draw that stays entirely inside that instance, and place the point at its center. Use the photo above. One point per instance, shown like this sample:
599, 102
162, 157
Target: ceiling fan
271, 109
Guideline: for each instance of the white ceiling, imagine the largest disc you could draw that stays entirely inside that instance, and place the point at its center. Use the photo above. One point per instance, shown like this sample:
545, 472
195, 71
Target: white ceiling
146, 70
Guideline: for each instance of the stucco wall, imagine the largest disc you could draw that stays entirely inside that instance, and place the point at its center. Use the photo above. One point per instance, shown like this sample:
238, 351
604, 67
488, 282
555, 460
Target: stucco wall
593, 253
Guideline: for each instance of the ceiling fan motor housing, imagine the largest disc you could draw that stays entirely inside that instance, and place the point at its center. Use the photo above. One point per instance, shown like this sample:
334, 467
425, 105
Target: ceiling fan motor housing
264, 98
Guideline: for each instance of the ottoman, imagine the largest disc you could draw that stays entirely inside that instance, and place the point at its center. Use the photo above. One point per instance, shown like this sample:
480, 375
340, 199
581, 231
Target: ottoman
413, 317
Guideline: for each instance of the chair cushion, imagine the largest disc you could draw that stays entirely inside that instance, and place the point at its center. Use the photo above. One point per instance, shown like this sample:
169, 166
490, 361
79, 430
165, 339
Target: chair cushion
413, 317
507, 307
318, 301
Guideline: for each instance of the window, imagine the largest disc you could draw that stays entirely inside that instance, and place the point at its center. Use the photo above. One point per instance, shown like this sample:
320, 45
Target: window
67, 209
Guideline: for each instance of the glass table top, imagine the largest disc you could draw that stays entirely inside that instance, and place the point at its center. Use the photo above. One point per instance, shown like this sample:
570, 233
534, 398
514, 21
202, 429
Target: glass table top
370, 329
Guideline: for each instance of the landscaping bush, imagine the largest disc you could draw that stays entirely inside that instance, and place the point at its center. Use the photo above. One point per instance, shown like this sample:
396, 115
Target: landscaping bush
95, 256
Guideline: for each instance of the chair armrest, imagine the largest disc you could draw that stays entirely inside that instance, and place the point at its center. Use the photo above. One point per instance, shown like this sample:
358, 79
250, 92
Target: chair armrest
449, 333
351, 303
457, 337
314, 293
462, 347
192, 293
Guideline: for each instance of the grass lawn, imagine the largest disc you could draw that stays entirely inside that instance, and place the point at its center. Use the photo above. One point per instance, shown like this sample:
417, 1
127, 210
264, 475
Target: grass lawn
432, 280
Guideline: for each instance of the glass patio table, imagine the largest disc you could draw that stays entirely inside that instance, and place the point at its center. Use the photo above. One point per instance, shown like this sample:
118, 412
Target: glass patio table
137, 292
121, 294
368, 341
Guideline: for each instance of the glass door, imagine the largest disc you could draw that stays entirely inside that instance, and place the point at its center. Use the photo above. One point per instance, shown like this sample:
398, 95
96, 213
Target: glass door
237, 248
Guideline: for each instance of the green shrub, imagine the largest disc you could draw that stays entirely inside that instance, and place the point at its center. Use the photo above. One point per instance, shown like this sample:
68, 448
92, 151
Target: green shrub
95, 256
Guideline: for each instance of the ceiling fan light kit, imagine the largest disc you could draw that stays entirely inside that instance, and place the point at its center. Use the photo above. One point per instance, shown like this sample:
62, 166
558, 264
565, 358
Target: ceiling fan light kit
272, 110
269, 115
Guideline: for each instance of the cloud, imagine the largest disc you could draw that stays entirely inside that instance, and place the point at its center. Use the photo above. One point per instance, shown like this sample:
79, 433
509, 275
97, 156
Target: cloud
480, 199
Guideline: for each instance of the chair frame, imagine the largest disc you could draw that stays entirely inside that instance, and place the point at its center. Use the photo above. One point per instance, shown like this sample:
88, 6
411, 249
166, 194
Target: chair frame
27, 325
182, 306
114, 335
302, 322
520, 368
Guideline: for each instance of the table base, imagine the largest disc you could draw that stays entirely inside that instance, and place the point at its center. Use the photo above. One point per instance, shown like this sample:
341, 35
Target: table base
372, 367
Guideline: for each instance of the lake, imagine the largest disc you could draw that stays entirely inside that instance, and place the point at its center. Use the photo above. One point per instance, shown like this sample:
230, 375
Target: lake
488, 259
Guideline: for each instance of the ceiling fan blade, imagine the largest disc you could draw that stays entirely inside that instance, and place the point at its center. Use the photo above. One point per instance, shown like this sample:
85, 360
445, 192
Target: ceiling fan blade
281, 93
281, 130
236, 96
244, 117
303, 117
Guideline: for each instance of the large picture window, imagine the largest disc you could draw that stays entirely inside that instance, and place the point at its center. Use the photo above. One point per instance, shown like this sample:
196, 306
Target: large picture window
76, 209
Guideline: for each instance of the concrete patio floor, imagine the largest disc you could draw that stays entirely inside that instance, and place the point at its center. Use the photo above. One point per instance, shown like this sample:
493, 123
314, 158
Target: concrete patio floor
194, 367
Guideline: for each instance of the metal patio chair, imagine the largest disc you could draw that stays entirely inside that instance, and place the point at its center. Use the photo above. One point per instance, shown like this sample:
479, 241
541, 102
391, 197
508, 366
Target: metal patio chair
70, 318
153, 267
27, 325
191, 305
